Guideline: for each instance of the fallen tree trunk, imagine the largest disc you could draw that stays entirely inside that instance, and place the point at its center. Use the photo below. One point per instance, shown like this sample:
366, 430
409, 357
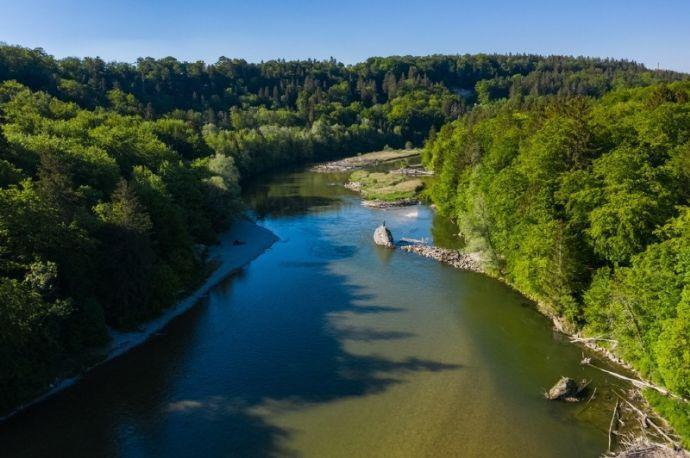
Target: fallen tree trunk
646, 421
614, 420
636, 382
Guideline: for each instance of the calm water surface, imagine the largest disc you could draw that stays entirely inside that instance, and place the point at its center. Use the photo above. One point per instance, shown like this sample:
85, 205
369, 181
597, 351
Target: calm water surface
329, 346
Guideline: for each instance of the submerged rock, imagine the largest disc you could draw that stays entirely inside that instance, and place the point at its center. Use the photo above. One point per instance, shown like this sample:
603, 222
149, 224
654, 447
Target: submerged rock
566, 389
383, 237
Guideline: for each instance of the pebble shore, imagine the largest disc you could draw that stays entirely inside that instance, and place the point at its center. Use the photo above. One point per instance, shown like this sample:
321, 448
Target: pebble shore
455, 258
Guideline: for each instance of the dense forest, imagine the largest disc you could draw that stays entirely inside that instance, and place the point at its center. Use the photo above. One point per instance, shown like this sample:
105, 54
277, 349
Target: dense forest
114, 176
583, 204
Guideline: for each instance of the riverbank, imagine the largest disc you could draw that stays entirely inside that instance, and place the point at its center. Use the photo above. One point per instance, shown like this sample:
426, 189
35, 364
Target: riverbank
227, 257
383, 204
365, 160
455, 258
646, 414
385, 364
363, 181
385, 190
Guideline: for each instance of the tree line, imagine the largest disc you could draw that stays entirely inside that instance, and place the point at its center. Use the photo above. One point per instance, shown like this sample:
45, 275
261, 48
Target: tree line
114, 176
583, 204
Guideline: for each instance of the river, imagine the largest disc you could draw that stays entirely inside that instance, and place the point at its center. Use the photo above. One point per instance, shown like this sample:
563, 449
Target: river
327, 345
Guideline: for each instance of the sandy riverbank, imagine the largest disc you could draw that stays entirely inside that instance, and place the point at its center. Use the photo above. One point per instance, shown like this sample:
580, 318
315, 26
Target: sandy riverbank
228, 258
365, 160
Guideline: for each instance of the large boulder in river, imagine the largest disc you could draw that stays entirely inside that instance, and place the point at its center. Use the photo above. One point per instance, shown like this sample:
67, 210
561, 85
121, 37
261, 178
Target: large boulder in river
566, 389
383, 237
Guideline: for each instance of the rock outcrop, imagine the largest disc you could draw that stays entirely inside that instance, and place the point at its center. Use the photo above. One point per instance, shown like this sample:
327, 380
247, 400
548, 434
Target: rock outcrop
383, 237
566, 389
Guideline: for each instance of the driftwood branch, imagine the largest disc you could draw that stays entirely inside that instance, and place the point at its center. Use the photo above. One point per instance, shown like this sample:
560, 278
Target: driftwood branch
614, 419
647, 421
592, 339
636, 382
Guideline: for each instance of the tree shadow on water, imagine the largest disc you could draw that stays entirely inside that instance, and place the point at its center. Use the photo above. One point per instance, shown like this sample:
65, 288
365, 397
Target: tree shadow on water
263, 338
370, 335
299, 359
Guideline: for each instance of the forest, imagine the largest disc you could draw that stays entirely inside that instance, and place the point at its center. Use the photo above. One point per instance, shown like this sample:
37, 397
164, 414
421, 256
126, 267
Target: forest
582, 204
570, 174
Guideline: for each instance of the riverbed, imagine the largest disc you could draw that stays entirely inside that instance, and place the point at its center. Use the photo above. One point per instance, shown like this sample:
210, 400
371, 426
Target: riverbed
327, 345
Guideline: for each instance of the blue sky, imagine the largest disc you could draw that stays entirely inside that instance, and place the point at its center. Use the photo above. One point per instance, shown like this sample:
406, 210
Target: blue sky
653, 31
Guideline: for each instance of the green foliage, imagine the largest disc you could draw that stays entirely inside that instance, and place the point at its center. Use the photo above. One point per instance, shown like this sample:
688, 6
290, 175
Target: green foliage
127, 258
29, 338
646, 306
111, 173
673, 410
583, 204
403, 96
99, 215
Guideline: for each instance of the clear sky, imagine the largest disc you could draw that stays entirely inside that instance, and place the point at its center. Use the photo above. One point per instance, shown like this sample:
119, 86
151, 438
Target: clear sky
651, 31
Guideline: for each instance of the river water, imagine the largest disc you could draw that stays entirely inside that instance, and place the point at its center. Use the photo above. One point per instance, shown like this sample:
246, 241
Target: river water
327, 345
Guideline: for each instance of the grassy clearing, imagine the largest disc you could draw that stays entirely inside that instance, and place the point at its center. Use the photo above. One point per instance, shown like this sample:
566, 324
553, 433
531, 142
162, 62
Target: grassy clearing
386, 186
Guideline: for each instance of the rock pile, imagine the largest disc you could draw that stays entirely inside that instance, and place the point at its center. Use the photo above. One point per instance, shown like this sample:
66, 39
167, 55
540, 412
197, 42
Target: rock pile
457, 259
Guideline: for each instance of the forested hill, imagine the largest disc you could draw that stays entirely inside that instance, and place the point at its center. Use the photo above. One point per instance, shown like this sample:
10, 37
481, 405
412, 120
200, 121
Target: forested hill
326, 90
113, 175
585, 205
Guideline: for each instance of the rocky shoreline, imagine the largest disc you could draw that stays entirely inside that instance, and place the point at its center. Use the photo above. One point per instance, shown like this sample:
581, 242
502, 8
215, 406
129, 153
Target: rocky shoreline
389, 204
413, 171
455, 258
364, 160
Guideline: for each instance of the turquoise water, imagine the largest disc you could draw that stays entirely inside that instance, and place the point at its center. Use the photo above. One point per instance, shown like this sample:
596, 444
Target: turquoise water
327, 345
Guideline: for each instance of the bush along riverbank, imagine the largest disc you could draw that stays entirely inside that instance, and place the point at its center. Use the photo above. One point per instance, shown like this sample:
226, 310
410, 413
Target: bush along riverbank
583, 205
